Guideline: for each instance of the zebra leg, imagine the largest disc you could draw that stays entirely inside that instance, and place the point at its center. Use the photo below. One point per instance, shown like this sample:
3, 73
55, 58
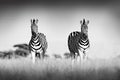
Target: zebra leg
81, 56
42, 54
37, 55
73, 57
41, 57
33, 56
84, 54
78, 57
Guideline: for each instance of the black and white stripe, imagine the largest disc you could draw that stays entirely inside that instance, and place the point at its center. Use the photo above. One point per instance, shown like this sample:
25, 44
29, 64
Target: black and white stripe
78, 41
38, 42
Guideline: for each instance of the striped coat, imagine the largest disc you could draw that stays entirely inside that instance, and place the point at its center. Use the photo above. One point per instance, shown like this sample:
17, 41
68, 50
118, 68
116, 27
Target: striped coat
38, 43
79, 40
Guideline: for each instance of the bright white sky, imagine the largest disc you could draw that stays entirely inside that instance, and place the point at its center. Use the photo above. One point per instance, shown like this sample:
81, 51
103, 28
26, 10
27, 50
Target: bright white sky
56, 23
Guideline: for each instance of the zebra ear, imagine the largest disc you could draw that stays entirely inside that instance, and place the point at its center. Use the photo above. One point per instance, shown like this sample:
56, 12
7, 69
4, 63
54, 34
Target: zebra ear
31, 21
36, 21
81, 22
87, 22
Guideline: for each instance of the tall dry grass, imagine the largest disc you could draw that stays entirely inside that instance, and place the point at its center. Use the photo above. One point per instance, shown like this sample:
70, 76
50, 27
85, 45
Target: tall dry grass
59, 69
17, 65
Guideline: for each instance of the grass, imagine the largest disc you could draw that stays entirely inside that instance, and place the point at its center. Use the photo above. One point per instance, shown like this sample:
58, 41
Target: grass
59, 69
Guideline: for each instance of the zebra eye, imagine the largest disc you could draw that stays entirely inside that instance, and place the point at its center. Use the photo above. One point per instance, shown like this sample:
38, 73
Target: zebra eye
80, 22
36, 21
87, 22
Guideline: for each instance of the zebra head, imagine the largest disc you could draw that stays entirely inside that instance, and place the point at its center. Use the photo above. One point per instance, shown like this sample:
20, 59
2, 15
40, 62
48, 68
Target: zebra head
34, 27
84, 27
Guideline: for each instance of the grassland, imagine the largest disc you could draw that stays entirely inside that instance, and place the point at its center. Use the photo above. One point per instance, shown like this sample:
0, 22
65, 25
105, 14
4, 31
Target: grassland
59, 69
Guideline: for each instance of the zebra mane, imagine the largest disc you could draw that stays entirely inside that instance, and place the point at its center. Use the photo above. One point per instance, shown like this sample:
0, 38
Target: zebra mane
33, 21
83, 21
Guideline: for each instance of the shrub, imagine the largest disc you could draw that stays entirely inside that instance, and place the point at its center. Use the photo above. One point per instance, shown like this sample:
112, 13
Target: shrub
57, 56
67, 55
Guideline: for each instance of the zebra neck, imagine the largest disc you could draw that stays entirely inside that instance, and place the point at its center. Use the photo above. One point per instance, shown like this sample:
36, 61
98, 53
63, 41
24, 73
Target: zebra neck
84, 36
34, 35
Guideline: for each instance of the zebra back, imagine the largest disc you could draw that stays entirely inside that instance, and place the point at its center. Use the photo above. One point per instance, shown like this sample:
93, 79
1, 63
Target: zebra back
73, 41
43, 41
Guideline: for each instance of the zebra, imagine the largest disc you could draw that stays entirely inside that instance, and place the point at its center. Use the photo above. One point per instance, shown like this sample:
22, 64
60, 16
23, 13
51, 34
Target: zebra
78, 41
38, 43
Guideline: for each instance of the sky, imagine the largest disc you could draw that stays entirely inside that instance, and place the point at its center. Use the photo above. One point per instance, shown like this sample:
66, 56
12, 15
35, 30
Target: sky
57, 19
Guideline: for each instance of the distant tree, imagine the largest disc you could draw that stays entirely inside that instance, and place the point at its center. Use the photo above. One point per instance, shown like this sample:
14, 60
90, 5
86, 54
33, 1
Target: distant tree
22, 46
1, 54
7, 54
46, 55
22, 50
67, 55
57, 56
